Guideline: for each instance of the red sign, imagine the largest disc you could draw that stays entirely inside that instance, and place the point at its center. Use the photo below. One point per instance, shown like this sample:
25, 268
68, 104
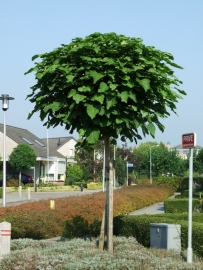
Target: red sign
189, 140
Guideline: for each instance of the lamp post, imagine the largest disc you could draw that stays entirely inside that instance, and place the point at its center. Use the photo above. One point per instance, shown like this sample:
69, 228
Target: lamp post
150, 162
5, 105
124, 146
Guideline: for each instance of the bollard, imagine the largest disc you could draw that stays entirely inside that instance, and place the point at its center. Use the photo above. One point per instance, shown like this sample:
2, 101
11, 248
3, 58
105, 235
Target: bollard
81, 187
5, 238
52, 204
20, 190
29, 196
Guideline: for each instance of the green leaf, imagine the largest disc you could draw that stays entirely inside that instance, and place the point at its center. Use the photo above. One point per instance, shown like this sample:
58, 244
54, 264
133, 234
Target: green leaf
55, 106
124, 96
145, 83
70, 78
151, 129
84, 89
110, 102
92, 111
71, 93
119, 121
99, 98
96, 76
78, 98
128, 84
39, 75
132, 96
92, 136
103, 87
102, 111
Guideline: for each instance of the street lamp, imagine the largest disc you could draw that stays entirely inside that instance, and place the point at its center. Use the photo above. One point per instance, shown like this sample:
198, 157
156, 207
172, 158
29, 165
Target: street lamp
5, 105
150, 162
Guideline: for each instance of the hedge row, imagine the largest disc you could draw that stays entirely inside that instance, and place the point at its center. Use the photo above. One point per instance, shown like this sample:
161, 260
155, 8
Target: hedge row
138, 227
36, 220
181, 205
179, 183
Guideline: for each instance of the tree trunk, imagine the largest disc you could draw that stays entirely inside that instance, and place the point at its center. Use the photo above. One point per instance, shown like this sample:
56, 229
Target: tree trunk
109, 195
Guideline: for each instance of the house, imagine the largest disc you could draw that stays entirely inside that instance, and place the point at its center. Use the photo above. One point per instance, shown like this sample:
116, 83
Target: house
50, 163
182, 152
63, 145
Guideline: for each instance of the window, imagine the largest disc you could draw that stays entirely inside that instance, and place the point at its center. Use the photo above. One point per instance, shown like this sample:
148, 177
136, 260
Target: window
39, 143
71, 152
27, 141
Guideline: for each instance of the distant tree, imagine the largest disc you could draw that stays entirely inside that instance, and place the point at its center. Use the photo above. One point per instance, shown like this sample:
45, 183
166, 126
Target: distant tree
74, 171
22, 157
197, 161
105, 86
120, 170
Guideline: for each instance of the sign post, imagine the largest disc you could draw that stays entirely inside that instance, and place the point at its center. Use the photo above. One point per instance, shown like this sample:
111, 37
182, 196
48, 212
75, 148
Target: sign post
128, 165
189, 142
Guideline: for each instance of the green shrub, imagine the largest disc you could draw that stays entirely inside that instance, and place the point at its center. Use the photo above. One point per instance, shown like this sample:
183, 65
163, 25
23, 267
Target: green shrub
174, 181
197, 184
138, 227
93, 186
12, 182
79, 227
1, 192
179, 205
76, 227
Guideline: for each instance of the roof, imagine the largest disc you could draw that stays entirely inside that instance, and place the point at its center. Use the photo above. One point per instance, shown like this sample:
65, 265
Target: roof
179, 146
56, 143
23, 136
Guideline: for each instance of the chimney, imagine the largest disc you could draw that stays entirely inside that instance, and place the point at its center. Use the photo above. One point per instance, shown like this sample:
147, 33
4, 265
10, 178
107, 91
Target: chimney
168, 145
59, 142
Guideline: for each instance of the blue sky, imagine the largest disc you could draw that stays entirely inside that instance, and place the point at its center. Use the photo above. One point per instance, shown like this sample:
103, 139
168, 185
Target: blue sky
31, 27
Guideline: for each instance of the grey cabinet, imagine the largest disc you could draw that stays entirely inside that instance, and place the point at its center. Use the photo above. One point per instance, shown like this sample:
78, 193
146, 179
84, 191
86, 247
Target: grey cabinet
164, 235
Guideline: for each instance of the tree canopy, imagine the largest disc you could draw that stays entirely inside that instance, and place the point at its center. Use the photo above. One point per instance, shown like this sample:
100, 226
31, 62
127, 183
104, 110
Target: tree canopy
105, 85
22, 157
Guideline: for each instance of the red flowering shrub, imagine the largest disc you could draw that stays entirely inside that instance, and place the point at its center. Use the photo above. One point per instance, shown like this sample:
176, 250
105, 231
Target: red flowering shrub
36, 220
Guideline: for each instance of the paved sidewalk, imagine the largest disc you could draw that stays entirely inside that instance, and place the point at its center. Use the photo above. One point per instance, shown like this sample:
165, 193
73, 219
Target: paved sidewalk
157, 208
13, 198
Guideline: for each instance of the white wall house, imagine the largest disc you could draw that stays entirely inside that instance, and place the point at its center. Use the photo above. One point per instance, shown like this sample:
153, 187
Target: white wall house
65, 146
50, 164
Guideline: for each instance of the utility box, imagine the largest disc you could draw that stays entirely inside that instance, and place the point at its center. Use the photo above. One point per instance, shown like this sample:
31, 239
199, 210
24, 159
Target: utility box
166, 236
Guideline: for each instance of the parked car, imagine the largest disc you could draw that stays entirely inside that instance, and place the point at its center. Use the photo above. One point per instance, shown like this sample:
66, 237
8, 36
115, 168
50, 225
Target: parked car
25, 179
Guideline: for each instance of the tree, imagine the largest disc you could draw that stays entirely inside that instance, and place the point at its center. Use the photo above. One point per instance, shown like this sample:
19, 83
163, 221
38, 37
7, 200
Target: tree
22, 157
74, 171
120, 170
105, 86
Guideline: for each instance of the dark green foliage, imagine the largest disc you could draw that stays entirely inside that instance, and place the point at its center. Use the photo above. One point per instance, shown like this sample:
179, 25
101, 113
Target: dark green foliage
139, 227
174, 181
79, 227
121, 170
112, 86
179, 205
1, 192
197, 184
22, 157
73, 173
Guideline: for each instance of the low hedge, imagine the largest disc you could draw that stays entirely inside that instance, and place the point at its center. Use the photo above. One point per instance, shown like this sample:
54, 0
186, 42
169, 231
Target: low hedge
94, 186
1, 192
138, 227
180, 205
